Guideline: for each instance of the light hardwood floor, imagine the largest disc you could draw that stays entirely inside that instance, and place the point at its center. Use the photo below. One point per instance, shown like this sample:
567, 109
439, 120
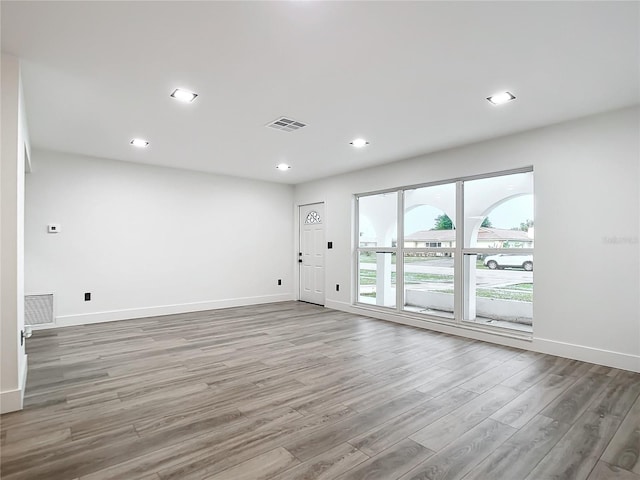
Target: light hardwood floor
292, 391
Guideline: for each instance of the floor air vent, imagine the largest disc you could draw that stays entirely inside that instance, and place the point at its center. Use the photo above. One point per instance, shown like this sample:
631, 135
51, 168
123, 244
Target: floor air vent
286, 124
38, 309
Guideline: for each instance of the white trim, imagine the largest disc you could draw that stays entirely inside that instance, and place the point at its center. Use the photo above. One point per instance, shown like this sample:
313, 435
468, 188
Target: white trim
501, 173
598, 356
23, 373
608, 358
400, 292
425, 249
355, 252
126, 314
27, 158
496, 251
458, 262
12, 400
378, 249
296, 244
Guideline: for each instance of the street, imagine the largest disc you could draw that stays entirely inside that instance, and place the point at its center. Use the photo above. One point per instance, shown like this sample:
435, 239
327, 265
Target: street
484, 276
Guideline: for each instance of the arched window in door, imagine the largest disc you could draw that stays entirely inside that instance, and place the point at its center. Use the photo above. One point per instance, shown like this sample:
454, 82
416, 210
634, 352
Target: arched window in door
312, 217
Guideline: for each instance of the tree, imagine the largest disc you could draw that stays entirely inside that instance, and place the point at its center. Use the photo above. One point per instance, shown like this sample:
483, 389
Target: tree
525, 226
443, 222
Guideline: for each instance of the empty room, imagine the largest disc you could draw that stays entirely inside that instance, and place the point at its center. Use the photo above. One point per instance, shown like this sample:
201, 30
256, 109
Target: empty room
320, 240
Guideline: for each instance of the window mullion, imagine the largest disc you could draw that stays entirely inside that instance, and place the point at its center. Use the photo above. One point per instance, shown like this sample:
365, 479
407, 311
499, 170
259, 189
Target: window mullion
458, 277
355, 263
400, 254
493, 251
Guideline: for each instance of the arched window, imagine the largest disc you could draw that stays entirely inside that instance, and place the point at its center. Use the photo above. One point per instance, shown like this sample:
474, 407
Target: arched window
312, 217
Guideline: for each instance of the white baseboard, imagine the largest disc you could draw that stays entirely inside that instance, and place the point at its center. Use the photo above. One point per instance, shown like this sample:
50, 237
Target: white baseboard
607, 358
12, 400
125, 314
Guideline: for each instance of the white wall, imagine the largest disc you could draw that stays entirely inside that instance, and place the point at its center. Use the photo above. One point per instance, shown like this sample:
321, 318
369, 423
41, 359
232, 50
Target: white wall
150, 240
15, 145
587, 278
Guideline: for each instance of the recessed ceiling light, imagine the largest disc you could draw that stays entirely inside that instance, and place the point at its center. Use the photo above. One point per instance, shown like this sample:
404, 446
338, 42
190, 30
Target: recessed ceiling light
359, 143
502, 97
283, 167
184, 95
138, 142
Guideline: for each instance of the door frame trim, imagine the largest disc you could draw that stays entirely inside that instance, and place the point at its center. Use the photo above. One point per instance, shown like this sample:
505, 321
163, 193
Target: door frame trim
296, 242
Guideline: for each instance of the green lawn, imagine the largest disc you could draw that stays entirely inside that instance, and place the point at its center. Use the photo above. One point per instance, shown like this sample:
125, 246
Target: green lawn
481, 292
368, 294
500, 294
413, 278
521, 292
368, 277
371, 258
519, 286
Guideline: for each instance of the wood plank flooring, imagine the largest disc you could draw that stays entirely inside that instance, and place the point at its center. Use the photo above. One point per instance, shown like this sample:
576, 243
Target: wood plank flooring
292, 391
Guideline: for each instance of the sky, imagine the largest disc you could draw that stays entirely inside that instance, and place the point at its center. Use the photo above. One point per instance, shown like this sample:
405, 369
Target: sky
508, 215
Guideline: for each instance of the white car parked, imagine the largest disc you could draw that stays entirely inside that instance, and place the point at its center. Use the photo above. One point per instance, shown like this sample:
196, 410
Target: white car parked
509, 260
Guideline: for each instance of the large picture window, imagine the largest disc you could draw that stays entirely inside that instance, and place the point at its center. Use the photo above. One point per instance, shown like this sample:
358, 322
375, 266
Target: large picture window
413, 255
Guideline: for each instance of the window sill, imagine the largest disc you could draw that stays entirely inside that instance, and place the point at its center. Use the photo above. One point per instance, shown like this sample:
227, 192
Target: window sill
430, 319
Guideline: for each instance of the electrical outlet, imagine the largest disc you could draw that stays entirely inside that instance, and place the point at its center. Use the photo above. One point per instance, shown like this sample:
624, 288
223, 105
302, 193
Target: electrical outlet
279, 281
87, 297
337, 287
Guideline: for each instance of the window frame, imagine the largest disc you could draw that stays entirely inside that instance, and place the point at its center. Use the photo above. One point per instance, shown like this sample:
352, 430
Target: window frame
458, 252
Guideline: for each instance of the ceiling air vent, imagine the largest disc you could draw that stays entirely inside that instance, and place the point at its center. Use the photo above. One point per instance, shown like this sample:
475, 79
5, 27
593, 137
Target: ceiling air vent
286, 124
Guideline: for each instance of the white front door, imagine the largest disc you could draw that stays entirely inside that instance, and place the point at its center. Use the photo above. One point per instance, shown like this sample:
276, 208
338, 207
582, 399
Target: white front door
311, 254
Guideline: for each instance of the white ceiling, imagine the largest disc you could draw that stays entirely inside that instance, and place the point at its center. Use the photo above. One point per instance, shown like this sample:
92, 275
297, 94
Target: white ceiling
410, 77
